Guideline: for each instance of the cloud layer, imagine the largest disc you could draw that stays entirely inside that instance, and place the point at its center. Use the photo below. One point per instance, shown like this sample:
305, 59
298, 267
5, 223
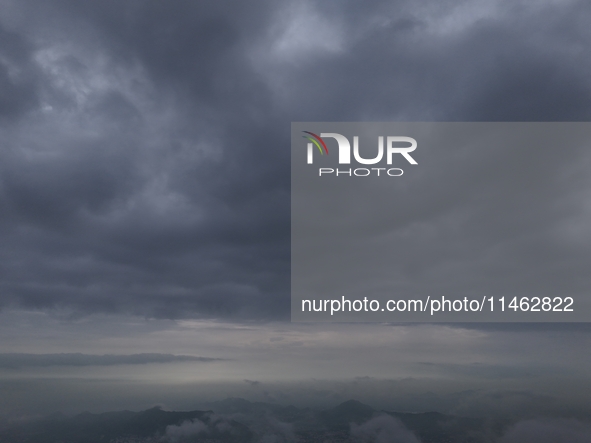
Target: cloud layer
145, 145
17, 361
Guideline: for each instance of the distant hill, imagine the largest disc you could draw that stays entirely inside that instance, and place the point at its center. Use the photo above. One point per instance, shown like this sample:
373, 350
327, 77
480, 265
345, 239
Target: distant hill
109, 427
239, 420
343, 415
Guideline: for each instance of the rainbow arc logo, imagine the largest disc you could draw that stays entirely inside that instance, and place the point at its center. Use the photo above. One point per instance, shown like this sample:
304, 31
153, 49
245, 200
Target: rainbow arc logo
317, 140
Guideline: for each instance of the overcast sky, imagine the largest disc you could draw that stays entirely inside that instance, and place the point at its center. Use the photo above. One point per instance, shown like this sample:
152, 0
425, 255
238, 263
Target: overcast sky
145, 195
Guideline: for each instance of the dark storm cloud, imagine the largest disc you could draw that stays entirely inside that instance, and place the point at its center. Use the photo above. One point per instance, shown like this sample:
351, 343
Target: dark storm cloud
218, 242
449, 62
145, 146
18, 75
18, 361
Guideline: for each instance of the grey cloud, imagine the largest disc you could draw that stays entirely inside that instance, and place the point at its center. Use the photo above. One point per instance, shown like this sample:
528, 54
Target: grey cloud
193, 217
147, 160
18, 360
18, 76
189, 428
382, 429
211, 426
402, 63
